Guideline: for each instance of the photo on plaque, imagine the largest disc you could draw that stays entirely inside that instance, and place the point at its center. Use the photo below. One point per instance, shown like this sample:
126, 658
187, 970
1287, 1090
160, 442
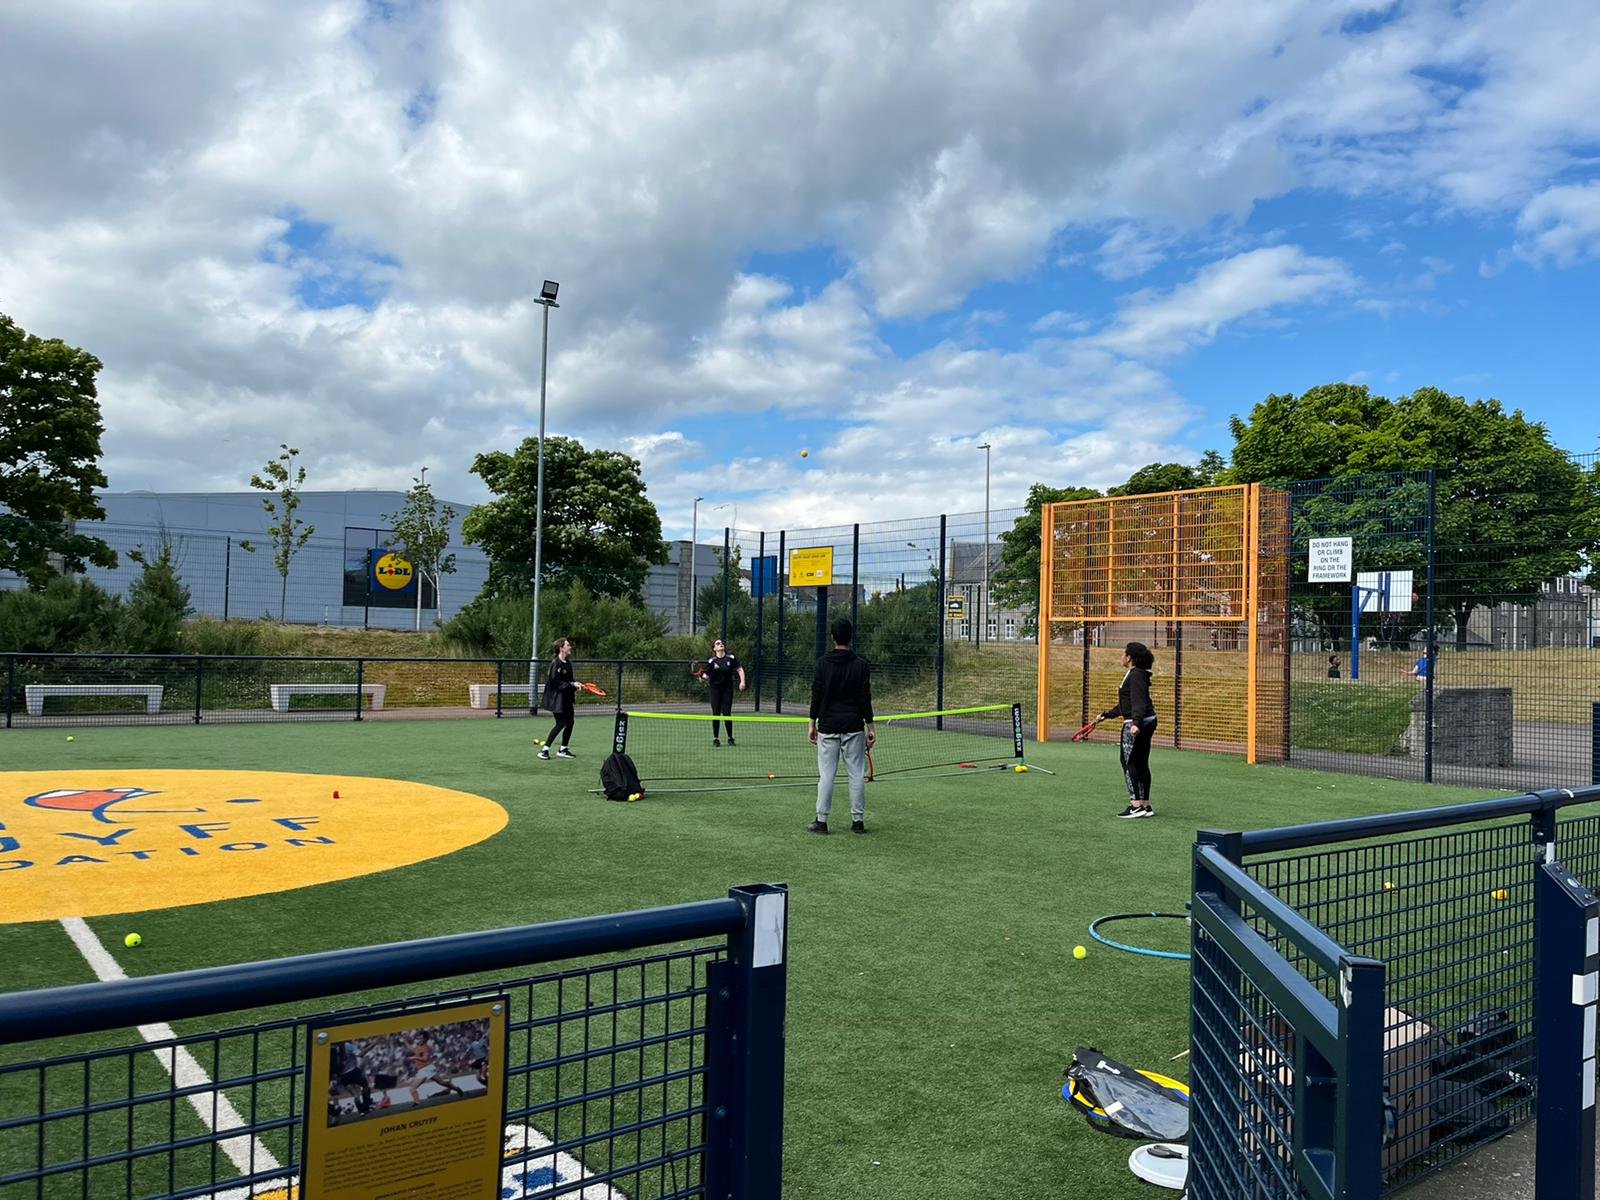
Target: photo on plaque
413, 1101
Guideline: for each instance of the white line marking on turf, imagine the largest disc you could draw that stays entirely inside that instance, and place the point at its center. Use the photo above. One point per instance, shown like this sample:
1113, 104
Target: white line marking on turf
214, 1109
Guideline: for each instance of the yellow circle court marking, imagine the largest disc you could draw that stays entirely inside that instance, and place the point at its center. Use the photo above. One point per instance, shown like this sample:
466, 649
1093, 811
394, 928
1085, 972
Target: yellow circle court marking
90, 843
393, 572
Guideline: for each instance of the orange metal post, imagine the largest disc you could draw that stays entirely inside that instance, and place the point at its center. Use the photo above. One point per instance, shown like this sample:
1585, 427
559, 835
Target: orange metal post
1252, 604
1047, 561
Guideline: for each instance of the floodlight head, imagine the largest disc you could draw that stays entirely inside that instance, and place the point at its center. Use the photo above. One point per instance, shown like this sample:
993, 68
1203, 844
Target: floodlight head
549, 290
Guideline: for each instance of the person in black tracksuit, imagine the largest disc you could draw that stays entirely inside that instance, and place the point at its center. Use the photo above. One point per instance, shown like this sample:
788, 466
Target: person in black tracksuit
842, 726
560, 697
1138, 715
721, 670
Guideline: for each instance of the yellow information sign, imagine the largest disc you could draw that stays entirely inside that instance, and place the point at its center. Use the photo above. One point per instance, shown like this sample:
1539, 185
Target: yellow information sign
412, 1105
811, 567
955, 608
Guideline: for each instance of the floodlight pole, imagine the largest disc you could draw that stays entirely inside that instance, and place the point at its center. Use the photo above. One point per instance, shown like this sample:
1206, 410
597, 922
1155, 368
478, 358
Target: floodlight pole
547, 298
694, 578
983, 597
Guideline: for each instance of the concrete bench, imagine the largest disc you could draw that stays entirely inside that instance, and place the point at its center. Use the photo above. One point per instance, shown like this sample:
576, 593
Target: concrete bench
282, 692
35, 693
481, 695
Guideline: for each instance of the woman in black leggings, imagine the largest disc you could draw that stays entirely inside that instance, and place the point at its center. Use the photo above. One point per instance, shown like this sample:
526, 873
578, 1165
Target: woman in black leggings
1138, 715
560, 698
721, 668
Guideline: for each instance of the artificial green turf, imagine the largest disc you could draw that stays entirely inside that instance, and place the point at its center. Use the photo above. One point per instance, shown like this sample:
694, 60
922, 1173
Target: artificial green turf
934, 1001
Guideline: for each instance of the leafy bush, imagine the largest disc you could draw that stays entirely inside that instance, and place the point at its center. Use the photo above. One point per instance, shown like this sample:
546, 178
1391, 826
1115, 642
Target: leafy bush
235, 639
599, 626
64, 616
157, 603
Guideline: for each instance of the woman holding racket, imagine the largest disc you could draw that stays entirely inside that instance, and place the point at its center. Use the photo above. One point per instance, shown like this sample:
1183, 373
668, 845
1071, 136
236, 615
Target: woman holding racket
560, 697
1138, 715
719, 673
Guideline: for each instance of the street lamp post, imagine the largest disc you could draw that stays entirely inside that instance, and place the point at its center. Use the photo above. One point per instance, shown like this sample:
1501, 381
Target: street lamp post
694, 574
547, 299
983, 598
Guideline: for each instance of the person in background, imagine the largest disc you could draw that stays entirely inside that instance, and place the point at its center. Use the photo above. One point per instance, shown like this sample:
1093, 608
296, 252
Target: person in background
560, 697
721, 669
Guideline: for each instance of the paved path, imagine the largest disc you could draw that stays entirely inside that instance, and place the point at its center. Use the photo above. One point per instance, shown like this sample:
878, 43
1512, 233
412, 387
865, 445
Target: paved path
1545, 755
1502, 1170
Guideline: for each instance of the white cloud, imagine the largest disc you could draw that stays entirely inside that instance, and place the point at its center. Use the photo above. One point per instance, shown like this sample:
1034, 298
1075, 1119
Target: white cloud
1561, 225
1165, 323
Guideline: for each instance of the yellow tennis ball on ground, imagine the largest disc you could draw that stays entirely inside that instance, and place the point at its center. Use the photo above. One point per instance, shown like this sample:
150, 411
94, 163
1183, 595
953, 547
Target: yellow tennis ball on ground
1387, 886
133, 939
1079, 952
1019, 768
70, 738
633, 795
1500, 894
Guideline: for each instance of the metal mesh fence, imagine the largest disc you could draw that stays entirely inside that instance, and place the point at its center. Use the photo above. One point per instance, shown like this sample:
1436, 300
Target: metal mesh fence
606, 1070
1451, 917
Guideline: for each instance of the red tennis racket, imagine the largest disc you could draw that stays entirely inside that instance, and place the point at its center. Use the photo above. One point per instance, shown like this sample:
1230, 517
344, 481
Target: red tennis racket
1083, 734
594, 689
697, 669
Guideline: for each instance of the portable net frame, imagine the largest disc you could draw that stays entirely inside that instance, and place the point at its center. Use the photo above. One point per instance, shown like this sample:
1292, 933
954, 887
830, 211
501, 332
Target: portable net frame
1199, 576
675, 748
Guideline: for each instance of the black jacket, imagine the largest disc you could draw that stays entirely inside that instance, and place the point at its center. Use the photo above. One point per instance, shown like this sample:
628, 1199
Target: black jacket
841, 692
559, 687
1133, 697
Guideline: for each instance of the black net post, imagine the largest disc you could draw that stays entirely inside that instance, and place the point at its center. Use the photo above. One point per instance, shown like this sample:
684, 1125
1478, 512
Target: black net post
938, 615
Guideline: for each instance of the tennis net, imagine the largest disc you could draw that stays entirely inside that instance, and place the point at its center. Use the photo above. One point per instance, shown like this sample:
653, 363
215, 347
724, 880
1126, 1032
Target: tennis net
695, 752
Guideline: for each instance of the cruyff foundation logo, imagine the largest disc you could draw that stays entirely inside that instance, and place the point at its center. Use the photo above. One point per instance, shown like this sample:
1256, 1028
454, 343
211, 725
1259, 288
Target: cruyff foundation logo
89, 843
99, 802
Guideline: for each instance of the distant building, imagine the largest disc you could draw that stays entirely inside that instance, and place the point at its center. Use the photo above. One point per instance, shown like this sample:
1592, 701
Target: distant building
1566, 615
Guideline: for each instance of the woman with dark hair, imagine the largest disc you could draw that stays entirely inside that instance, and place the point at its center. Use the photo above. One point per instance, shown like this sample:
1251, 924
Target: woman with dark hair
1138, 715
560, 698
721, 670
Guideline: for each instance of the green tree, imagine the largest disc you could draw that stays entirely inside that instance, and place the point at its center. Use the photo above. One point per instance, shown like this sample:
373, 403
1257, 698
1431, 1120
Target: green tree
599, 527
287, 534
422, 527
61, 616
741, 629
1016, 583
158, 602
50, 431
1160, 477
1512, 510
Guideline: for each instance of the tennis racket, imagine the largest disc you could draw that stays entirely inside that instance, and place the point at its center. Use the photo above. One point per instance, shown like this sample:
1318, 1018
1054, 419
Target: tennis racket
594, 689
870, 771
1083, 734
697, 669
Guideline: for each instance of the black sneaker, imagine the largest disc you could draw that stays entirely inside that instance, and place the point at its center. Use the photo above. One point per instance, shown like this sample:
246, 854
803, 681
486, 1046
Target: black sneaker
1144, 812
714, 742
731, 742
544, 753
817, 827
858, 826
565, 753
1130, 813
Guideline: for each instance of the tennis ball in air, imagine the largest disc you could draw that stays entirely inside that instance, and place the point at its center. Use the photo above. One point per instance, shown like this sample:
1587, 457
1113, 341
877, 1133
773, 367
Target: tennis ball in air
1500, 893
805, 454
132, 940
70, 738
1079, 952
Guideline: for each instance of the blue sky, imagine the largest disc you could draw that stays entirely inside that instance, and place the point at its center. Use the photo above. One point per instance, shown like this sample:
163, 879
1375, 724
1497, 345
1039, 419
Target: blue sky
1086, 233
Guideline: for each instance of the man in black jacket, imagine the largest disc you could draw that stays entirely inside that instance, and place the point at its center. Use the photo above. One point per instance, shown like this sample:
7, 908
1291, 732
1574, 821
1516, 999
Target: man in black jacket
841, 724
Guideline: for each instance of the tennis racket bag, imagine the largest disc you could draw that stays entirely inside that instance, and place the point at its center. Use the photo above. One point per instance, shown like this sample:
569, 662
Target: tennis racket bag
619, 779
1123, 1102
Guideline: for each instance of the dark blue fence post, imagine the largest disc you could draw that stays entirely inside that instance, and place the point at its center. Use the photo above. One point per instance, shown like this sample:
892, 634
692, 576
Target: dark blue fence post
1594, 751
727, 574
11, 688
1567, 958
1358, 1101
360, 677
1428, 649
744, 1057
855, 584
499, 687
758, 585
783, 575
199, 684
227, 577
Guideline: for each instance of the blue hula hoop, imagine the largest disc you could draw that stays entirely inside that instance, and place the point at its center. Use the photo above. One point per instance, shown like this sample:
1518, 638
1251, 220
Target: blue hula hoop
1094, 932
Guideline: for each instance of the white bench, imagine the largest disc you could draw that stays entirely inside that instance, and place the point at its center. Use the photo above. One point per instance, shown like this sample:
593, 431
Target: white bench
281, 692
481, 695
35, 693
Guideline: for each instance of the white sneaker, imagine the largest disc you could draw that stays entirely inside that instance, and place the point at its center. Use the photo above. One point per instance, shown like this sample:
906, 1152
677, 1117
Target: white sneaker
565, 753
544, 753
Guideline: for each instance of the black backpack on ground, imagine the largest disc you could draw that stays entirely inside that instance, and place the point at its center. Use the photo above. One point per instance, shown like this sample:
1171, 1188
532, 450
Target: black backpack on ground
619, 779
